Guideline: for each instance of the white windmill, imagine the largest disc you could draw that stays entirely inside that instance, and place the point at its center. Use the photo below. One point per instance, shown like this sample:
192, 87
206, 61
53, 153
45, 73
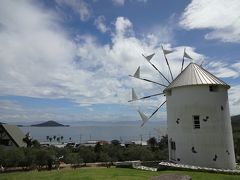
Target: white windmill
198, 119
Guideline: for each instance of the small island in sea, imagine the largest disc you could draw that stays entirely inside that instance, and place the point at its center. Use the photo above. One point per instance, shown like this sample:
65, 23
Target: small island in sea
50, 124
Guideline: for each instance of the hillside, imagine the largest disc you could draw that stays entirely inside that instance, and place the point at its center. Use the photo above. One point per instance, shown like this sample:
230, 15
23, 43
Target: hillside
49, 124
235, 122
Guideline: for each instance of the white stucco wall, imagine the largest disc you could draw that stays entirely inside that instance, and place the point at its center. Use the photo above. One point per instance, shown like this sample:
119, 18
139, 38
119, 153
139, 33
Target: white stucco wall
214, 136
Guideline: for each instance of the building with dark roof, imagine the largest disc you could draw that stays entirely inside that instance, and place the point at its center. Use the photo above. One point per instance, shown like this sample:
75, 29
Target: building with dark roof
11, 135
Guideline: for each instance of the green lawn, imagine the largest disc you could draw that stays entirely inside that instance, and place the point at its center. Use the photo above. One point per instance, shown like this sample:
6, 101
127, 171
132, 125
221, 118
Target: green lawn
106, 173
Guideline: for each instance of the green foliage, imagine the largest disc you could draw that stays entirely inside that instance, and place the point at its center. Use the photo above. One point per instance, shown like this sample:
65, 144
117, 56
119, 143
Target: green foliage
73, 158
12, 156
152, 142
115, 142
36, 156
87, 153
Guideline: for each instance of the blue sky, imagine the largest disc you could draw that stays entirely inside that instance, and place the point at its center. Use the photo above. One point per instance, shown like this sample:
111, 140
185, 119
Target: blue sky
69, 60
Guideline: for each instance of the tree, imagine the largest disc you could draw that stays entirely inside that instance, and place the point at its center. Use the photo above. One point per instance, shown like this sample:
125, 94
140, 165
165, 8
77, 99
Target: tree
35, 143
45, 157
73, 158
61, 138
115, 142
163, 143
152, 142
103, 157
58, 139
54, 138
13, 157
98, 148
47, 137
28, 140
87, 154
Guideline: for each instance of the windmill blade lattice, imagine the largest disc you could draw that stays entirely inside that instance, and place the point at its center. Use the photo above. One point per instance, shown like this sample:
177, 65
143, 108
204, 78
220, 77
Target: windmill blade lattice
137, 73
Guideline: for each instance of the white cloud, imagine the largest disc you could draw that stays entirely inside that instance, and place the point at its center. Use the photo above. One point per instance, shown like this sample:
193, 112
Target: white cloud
38, 59
79, 6
122, 2
223, 70
118, 2
100, 24
220, 16
123, 26
234, 99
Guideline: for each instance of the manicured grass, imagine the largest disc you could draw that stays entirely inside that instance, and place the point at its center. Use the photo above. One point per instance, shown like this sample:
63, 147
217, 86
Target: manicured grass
107, 174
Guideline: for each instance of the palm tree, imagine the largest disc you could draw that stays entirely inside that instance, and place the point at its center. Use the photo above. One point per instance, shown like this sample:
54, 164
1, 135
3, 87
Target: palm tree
47, 137
54, 137
50, 139
61, 138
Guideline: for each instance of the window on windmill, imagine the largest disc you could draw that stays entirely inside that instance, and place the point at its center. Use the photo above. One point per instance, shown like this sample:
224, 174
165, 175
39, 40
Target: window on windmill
213, 88
173, 145
222, 108
196, 122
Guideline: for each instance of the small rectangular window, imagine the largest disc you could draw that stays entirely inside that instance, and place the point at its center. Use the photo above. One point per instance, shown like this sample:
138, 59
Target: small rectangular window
173, 145
196, 122
213, 88
222, 108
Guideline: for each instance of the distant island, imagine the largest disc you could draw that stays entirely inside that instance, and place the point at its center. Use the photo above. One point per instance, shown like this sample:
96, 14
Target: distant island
50, 124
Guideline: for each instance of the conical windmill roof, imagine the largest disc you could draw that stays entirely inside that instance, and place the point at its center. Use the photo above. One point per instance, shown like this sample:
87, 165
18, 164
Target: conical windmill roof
194, 74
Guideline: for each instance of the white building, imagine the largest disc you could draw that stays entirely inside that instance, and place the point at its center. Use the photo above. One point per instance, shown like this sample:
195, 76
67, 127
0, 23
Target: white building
199, 124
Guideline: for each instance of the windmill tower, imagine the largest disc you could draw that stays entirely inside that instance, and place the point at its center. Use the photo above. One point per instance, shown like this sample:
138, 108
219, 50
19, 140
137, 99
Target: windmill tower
198, 119
199, 124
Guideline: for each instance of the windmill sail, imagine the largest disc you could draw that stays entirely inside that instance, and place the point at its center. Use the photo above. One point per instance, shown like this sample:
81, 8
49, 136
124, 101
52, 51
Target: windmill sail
149, 57
143, 117
185, 55
156, 67
137, 73
134, 95
165, 52
157, 109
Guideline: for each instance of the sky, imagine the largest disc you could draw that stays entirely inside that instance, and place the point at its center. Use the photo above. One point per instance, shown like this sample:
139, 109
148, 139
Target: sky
69, 60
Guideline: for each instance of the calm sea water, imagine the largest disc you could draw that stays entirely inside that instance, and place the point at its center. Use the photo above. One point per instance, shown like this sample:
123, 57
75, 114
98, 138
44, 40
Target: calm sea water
84, 133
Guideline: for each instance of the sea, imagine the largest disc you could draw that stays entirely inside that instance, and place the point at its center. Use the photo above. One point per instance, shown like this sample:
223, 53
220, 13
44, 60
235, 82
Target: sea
123, 132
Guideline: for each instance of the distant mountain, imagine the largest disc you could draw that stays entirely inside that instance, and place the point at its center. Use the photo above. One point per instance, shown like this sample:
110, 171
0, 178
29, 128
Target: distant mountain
235, 122
236, 119
49, 124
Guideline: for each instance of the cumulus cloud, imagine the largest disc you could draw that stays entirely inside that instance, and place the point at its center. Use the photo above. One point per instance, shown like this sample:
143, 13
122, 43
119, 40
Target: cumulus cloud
223, 70
123, 26
118, 2
39, 59
219, 16
101, 24
79, 6
234, 99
